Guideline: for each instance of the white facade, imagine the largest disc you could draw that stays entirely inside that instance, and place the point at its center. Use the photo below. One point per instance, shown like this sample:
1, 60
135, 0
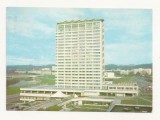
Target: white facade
54, 68
143, 71
45, 69
33, 94
124, 72
35, 72
80, 54
109, 74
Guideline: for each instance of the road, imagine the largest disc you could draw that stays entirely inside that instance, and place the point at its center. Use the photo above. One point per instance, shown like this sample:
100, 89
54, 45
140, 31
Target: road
116, 101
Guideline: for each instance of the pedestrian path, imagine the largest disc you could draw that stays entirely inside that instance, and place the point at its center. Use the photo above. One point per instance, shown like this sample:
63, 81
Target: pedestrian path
116, 101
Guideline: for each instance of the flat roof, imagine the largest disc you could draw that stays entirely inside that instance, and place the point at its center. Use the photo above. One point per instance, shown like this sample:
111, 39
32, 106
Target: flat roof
75, 21
93, 99
123, 84
50, 87
42, 87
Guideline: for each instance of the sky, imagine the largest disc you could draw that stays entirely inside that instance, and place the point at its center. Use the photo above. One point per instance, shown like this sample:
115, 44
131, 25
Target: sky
31, 34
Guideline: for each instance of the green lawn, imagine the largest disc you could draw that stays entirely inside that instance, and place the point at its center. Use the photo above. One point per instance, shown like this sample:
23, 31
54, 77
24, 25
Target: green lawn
46, 79
138, 101
93, 107
13, 90
17, 79
118, 108
124, 79
16, 90
89, 109
149, 97
54, 108
70, 105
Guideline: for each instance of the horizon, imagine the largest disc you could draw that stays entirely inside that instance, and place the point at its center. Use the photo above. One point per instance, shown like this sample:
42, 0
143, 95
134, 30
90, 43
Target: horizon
105, 64
31, 34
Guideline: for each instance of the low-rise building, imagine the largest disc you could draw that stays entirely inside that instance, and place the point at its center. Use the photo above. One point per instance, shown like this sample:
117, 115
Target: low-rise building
21, 71
38, 72
48, 92
109, 74
142, 71
46, 71
43, 71
124, 72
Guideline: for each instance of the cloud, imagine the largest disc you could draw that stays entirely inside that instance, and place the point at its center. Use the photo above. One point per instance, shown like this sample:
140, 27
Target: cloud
28, 28
12, 60
38, 22
128, 53
133, 21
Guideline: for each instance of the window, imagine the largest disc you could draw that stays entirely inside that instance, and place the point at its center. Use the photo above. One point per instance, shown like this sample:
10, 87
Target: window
82, 26
67, 27
60, 28
88, 26
74, 27
96, 25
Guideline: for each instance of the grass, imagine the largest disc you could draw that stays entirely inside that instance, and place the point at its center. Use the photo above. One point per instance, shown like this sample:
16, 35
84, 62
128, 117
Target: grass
147, 97
70, 105
93, 107
46, 79
130, 109
136, 101
17, 79
124, 79
54, 108
13, 90
90, 108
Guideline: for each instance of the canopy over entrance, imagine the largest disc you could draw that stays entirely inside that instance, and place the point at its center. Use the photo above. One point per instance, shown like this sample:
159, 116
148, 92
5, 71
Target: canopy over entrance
59, 94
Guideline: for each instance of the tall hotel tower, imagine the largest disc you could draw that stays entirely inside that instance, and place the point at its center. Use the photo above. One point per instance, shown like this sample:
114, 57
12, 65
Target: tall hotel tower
80, 54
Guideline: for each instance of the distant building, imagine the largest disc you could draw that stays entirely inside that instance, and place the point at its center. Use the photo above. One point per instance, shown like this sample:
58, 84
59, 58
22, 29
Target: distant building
109, 74
21, 71
54, 70
46, 71
38, 72
43, 71
124, 72
142, 71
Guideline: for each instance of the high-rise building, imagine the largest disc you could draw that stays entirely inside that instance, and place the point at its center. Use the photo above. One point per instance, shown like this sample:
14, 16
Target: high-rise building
80, 54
